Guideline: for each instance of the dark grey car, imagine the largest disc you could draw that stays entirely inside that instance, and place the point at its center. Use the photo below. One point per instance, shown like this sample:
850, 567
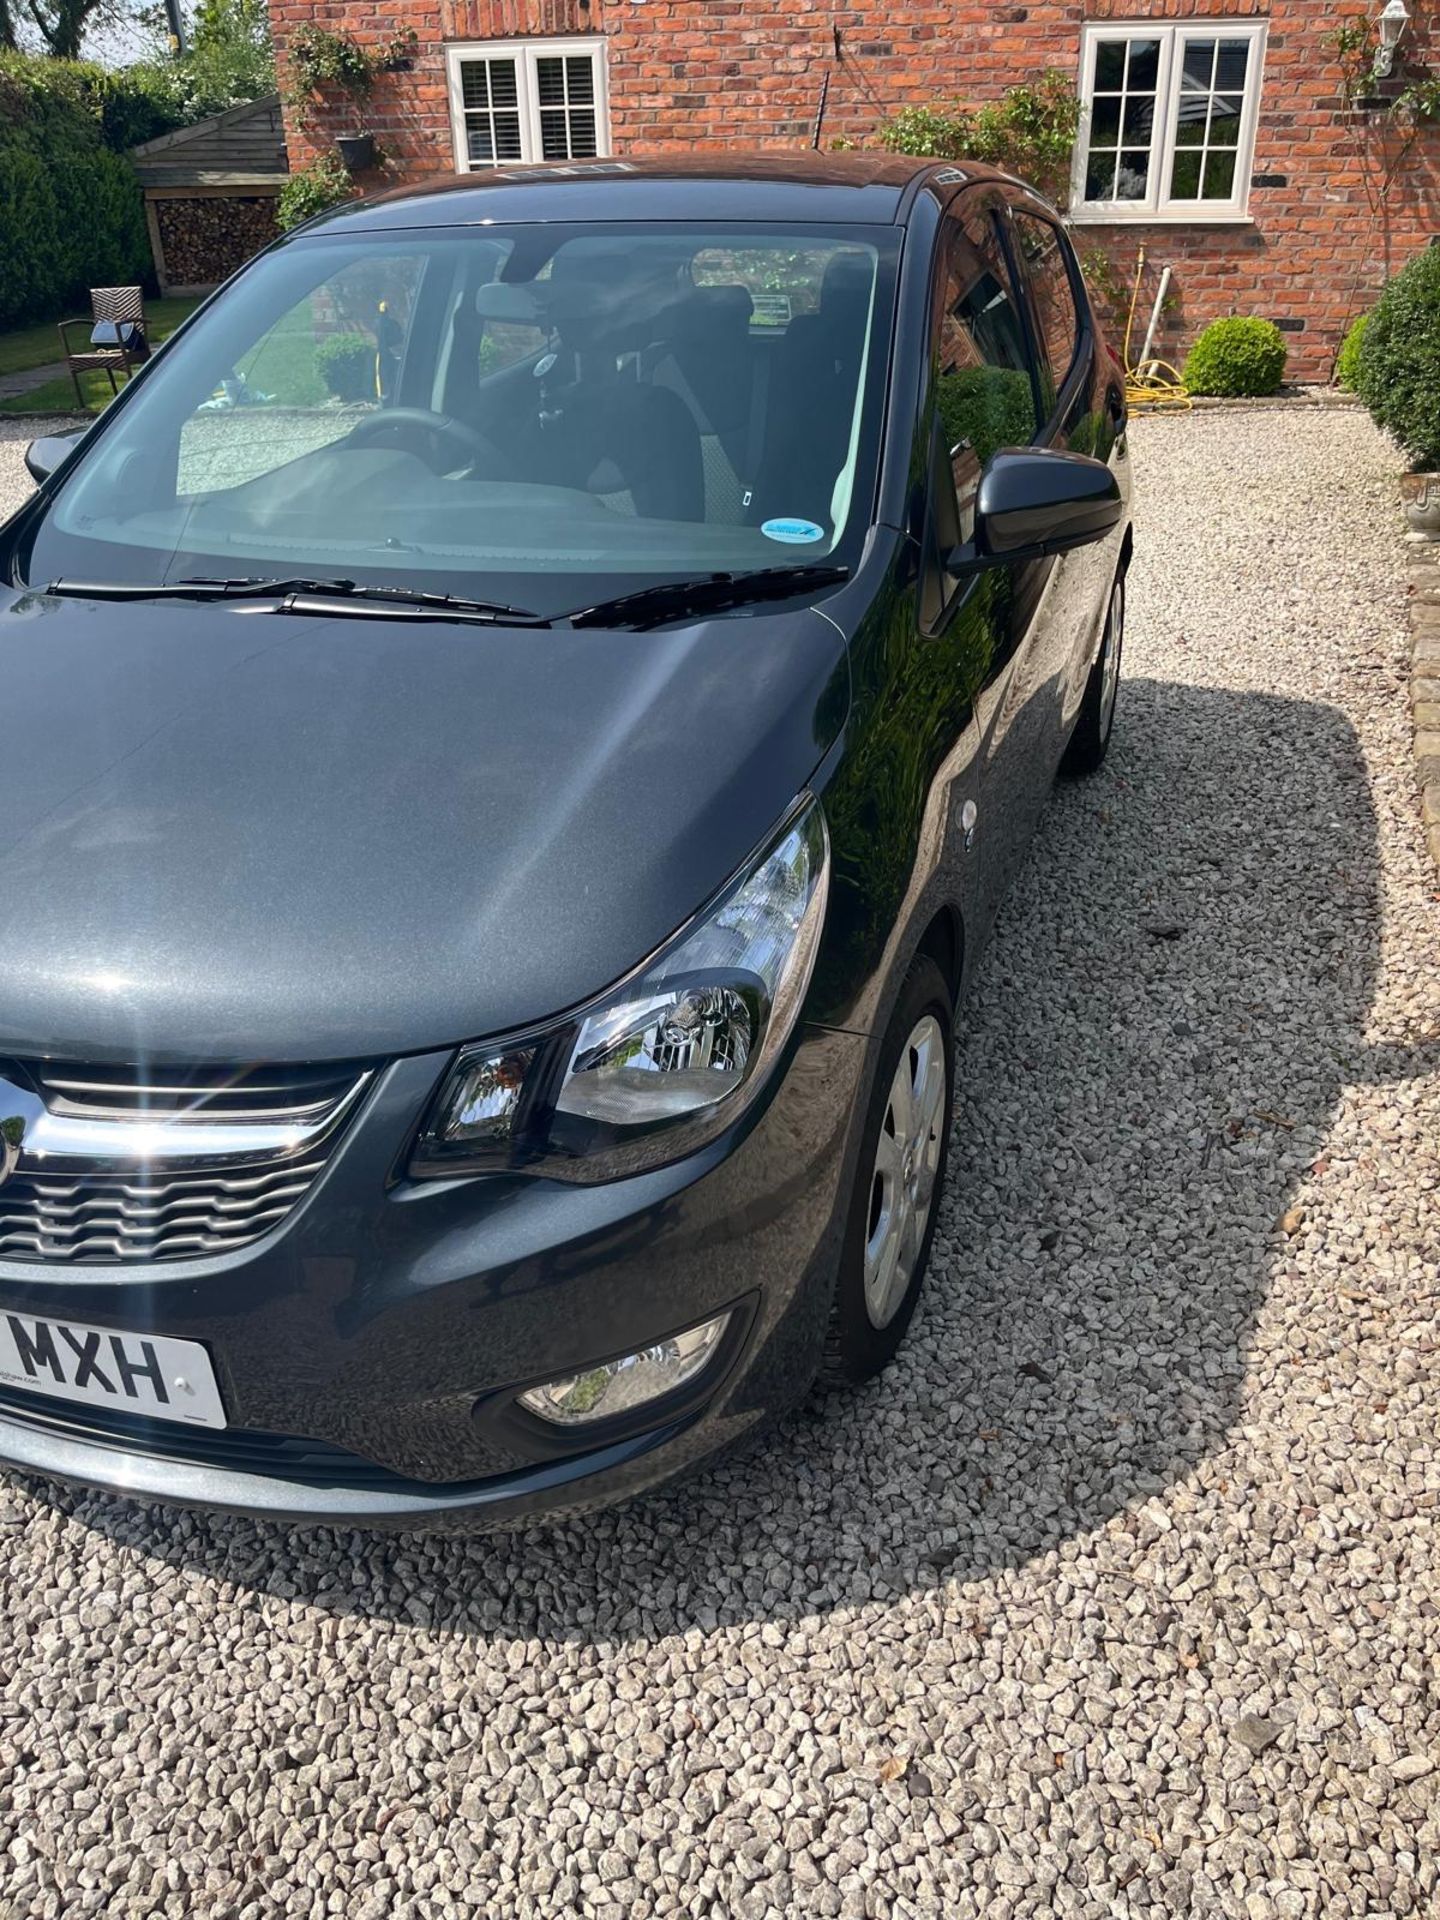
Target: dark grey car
518, 722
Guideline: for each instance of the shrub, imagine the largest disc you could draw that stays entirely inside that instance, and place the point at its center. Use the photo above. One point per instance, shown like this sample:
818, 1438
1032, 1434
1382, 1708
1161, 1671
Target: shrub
314, 189
1398, 373
1241, 355
1029, 131
346, 363
1347, 362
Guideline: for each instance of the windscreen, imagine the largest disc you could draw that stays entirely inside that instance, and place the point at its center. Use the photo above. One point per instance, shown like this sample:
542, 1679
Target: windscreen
508, 412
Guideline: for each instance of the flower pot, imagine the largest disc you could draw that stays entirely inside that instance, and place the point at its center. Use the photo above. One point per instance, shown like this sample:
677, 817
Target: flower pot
357, 151
1420, 493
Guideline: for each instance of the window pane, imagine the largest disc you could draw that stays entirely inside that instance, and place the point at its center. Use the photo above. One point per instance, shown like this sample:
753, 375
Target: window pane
584, 144
1105, 123
479, 141
1190, 122
1110, 66
507, 136
679, 441
1139, 120
296, 388
554, 143
1231, 67
1185, 180
550, 82
1224, 121
984, 393
1219, 176
475, 83
580, 80
504, 87
1100, 177
1133, 179
1053, 295
1199, 67
505, 342
1143, 74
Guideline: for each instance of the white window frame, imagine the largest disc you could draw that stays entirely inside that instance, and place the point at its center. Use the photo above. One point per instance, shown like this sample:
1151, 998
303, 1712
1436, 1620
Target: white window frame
525, 54
1157, 206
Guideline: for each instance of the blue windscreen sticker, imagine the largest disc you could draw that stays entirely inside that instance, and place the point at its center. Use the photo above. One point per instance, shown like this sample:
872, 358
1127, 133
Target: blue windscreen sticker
795, 533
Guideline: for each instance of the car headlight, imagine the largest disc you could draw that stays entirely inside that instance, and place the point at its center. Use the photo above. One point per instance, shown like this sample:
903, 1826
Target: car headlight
665, 1060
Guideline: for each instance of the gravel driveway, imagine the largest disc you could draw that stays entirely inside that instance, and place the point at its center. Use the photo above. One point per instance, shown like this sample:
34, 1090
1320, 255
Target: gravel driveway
1119, 1596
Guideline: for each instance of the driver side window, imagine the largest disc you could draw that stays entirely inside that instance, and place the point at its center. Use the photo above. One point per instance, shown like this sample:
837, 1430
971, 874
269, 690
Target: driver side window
983, 389
335, 354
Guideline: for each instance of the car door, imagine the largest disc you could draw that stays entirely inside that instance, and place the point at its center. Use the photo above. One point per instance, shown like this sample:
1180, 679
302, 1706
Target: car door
984, 396
1082, 407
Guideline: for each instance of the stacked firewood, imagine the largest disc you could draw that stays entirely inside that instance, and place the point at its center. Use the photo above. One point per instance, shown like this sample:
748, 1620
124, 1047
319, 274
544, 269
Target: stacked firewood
207, 238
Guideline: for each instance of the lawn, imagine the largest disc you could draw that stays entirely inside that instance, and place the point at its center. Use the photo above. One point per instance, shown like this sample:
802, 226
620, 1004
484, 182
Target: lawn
37, 346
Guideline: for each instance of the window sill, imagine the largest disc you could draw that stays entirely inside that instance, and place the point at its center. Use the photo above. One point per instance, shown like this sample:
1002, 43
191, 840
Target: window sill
1164, 217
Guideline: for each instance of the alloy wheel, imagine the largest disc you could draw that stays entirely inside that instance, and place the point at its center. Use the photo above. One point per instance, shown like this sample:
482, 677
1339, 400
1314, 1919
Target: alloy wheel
1110, 656
906, 1170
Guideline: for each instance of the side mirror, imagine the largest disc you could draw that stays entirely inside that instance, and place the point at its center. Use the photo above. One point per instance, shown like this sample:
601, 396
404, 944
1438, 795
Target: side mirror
1035, 501
44, 455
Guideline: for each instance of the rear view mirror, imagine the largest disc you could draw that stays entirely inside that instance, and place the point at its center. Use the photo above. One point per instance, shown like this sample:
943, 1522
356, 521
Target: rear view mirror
44, 455
1035, 501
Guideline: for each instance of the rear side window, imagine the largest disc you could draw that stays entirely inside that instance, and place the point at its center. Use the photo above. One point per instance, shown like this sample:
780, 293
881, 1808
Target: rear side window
984, 391
1045, 253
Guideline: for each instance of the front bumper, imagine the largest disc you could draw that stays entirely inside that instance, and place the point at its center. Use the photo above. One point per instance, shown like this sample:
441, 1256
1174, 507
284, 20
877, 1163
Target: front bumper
367, 1351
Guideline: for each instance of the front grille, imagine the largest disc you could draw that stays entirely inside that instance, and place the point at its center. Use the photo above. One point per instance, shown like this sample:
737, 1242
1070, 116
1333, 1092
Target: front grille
100, 1218
118, 1165
258, 1093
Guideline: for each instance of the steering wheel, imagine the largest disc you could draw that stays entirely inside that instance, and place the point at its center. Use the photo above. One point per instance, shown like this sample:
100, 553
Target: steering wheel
439, 428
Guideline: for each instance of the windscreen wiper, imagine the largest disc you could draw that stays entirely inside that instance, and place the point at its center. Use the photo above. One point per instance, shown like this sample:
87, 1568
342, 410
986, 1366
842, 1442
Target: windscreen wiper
344, 600
249, 586
292, 595
711, 593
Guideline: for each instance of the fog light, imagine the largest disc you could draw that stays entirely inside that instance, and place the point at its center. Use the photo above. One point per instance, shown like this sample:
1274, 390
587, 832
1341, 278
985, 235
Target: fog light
619, 1386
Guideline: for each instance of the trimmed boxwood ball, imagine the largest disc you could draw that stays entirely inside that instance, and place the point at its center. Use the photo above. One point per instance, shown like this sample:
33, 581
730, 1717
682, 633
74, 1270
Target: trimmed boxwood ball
1398, 373
1347, 364
346, 363
1239, 356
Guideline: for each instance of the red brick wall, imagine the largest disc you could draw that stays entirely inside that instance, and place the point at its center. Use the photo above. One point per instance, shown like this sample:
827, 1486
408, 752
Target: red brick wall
684, 73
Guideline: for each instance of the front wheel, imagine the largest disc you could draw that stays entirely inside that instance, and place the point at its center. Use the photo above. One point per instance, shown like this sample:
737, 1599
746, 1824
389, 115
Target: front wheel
1091, 738
902, 1160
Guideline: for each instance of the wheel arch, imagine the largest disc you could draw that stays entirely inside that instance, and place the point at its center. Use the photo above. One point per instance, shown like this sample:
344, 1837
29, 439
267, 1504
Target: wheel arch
944, 940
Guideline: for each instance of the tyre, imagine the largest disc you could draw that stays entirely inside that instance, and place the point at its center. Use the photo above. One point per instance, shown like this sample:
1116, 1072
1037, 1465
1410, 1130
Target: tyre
1091, 738
891, 1222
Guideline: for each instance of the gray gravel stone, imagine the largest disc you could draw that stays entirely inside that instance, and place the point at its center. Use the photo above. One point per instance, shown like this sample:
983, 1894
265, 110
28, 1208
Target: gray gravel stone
1053, 1603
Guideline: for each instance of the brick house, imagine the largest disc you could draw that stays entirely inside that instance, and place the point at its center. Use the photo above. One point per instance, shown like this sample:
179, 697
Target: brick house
1216, 133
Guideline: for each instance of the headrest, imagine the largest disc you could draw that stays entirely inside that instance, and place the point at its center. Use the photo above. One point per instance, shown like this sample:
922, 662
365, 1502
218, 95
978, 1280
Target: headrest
848, 281
707, 314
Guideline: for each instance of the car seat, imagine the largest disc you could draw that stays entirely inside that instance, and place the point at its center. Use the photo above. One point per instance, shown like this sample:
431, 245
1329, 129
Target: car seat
812, 394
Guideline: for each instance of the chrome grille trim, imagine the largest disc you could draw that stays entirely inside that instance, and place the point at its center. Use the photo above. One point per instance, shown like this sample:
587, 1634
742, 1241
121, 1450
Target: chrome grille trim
123, 1166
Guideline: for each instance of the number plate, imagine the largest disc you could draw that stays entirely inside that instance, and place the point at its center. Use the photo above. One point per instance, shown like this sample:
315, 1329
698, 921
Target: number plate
144, 1373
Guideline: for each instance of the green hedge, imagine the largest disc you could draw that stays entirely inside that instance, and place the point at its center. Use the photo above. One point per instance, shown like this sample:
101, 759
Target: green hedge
71, 212
1397, 373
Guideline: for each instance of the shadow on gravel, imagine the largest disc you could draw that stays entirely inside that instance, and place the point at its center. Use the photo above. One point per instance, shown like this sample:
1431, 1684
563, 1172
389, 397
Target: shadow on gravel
1174, 998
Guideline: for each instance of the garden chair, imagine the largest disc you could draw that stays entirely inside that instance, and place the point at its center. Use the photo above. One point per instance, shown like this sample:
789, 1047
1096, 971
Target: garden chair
117, 336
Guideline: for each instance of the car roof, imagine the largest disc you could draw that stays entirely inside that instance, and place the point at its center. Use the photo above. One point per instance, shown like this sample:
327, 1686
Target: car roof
850, 188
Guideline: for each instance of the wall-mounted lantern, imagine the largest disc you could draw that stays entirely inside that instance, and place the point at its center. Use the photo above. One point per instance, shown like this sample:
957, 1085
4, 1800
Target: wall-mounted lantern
1394, 19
